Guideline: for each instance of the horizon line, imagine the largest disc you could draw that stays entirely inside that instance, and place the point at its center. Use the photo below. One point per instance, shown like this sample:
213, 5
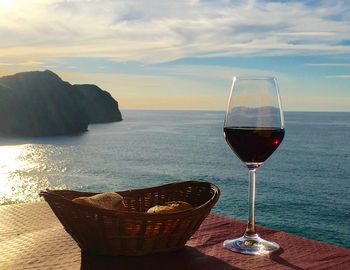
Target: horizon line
219, 110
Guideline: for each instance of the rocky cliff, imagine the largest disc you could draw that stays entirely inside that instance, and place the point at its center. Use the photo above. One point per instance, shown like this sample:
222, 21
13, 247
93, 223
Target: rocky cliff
40, 103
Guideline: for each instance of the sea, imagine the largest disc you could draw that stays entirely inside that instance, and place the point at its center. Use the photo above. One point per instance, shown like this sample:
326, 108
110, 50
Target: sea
303, 188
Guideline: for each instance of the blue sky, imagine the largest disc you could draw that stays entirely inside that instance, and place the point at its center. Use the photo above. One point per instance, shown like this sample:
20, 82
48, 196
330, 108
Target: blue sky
183, 54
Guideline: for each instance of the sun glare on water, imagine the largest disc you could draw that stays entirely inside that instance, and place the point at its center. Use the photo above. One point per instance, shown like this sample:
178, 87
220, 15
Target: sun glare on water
24, 171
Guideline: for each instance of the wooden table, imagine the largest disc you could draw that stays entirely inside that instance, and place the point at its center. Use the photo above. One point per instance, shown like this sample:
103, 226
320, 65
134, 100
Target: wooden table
31, 237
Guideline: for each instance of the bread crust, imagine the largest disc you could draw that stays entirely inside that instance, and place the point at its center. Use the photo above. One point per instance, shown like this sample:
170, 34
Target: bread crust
169, 207
107, 200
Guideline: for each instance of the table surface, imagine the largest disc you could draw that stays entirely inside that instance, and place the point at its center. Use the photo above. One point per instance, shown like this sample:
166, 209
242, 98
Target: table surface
31, 237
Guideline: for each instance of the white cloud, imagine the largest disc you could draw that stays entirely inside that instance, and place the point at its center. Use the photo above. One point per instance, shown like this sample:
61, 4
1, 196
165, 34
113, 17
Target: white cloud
338, 77
329, 65
30, 63
158, 31
218, 73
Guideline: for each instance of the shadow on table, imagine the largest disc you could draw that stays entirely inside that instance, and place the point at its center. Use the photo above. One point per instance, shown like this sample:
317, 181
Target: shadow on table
187, 258
276, 258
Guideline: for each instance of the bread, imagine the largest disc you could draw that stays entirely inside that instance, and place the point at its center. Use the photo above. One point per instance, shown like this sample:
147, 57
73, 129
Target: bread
169, 207
107, 200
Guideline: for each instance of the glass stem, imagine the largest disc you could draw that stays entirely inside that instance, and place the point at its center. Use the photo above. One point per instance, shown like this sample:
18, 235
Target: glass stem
250, 231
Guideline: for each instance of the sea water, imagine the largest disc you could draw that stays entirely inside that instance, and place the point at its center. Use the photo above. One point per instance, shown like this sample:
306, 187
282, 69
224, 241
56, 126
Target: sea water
303, 188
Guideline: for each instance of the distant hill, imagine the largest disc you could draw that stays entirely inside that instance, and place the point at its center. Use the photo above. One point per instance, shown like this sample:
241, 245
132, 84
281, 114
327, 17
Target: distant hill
40, 103
100, 106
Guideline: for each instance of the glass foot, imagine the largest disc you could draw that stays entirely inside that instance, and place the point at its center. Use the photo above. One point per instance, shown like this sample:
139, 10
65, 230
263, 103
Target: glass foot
253, 245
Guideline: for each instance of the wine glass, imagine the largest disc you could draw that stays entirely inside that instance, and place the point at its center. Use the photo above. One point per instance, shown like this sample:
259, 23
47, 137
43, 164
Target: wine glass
253, 128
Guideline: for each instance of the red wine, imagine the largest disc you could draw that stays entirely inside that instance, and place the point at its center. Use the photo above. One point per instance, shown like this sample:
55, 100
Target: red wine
253, 144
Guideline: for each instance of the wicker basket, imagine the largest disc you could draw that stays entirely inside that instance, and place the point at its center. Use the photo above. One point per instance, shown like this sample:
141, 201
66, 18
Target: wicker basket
133, 233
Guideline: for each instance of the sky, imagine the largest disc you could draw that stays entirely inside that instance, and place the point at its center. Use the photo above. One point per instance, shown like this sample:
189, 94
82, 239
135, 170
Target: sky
181, 54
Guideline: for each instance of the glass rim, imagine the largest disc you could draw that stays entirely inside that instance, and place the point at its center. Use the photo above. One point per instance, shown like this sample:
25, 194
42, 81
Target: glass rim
254, 78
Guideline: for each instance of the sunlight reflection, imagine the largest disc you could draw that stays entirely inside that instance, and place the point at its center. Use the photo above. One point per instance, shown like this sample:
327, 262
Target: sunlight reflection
24, 171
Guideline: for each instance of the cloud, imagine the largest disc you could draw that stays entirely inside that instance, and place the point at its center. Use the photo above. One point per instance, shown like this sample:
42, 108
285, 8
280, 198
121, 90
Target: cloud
328, 65
160, 31
338, 77
215, 72
30, 63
